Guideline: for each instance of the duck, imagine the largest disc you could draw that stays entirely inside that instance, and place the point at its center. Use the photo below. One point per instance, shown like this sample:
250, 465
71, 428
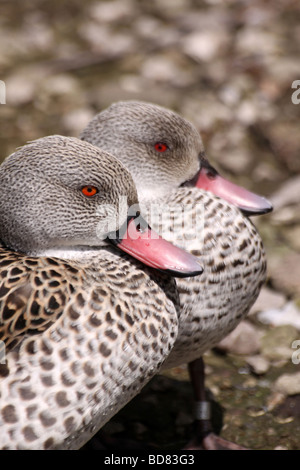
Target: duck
88, 304
208, 216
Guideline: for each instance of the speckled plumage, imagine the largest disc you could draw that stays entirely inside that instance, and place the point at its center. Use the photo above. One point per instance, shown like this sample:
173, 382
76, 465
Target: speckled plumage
82, 335
229, 247
232, 253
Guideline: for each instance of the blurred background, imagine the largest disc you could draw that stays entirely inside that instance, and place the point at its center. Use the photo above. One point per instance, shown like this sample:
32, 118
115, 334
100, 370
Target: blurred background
227, 66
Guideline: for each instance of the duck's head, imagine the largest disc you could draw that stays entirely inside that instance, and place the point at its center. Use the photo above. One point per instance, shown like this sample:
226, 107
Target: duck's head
59, 193
163, 151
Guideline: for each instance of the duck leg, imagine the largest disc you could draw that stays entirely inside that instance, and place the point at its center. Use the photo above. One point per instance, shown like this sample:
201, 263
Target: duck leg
204, 438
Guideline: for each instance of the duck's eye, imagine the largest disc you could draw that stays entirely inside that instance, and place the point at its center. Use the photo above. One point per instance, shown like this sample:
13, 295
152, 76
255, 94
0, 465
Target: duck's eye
89, 191
161, 147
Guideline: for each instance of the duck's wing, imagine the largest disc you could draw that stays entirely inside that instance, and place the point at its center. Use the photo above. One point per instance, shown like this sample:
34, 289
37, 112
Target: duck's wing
33, 294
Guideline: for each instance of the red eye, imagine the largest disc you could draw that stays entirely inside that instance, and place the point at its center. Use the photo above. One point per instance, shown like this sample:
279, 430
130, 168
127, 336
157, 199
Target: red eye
89, 191
161, 147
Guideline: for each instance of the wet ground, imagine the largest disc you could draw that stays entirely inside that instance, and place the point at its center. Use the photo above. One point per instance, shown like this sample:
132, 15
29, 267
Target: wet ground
228, 66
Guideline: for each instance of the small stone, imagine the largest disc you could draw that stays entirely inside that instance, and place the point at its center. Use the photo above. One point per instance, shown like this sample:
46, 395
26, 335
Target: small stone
237, 161
76, 120
284, 272
247, 112
215, 112
256, 412
292, 234
274, 400
62, 84
288, 384
276, 344
287, 194
285, 140
21, 88
243, 340
115, 11
37, 34
258, 364
283, 69
251, 39
205, 45
268, 299
288, 315
286, 215
19, 91
265, 171
162, 69
131, 83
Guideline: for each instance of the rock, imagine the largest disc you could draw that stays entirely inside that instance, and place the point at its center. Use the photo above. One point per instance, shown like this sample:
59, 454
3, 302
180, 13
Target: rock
58, 90
215, 112
115, 11
162, 69
205, 45
233, 144
230, 94
288, 408
103, 41
258, 364
19, 91
285, 141
37, 34
156, 33
288, 384
292, 234
131, 84
287, 215
251, 40
268, 299
287, 194
61, 85
265, 171
276, 344
274, 400
247, 112
76, 120
237, 160
284, 272
21, 87
243, 340
287, 315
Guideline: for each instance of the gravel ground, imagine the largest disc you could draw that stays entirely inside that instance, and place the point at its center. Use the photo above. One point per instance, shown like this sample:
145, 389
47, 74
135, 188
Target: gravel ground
228, 66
